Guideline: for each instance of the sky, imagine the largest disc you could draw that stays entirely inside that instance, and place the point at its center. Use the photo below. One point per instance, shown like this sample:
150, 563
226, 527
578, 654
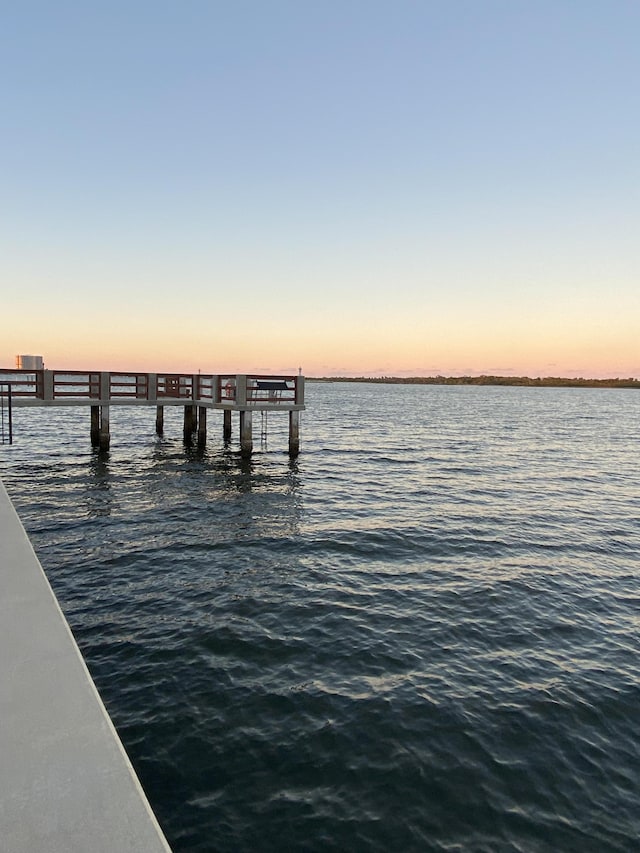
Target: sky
353, 187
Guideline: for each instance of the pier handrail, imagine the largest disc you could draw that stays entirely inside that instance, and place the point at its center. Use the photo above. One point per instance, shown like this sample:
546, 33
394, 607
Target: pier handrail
73, 384
135, 385
25, 383
205, 387
226, 388
175, 385
254, 389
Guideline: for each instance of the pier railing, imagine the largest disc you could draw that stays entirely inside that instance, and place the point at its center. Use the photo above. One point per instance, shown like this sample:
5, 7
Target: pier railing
235, 390
24, 383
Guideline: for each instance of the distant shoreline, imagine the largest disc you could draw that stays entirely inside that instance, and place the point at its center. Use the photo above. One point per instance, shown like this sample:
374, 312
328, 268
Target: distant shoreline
524, 381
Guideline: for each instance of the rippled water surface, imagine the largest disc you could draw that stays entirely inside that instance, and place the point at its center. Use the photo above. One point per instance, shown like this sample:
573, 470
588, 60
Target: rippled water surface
423, 634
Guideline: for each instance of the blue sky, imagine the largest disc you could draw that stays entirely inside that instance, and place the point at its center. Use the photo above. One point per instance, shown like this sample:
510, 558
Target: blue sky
357, 187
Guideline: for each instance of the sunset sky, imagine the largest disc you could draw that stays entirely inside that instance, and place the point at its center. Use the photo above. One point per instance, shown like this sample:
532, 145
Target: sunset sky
347, 186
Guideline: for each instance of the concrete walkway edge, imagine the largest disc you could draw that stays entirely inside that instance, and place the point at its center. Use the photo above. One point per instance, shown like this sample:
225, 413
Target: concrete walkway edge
66, 783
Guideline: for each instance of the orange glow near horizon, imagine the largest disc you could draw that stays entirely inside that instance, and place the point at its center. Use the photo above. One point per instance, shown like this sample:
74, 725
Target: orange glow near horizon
358, 355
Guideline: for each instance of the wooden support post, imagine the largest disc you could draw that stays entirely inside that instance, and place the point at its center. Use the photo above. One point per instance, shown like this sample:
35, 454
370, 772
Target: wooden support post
215, 389
95, 426
226, 426
152, 386
104, 438
241, 389
47, 385
160, 420
246, 440
202, 425
105, 387
190, 421
294, 433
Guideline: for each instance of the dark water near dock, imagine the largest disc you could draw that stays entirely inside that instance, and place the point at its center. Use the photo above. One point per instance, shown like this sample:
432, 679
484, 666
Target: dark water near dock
423, 634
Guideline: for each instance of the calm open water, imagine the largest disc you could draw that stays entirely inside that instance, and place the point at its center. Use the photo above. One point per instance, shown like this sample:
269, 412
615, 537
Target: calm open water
424, 634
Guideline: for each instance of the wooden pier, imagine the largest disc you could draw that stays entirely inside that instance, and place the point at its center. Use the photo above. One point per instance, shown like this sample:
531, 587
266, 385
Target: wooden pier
196, 393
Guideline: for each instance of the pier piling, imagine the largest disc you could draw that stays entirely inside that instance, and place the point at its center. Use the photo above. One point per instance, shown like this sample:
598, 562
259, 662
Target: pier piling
95, 426
246, 439
190, 421
226, 426
294, 433
104, 436
202, 426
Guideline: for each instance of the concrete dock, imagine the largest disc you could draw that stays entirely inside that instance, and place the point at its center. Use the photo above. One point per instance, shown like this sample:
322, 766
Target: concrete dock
66, 783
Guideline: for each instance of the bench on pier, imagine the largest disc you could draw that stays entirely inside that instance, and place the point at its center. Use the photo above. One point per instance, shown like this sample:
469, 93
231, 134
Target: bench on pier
268, 389
271, 385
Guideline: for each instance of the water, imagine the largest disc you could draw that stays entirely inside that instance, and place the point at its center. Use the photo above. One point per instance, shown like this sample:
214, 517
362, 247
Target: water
422, 635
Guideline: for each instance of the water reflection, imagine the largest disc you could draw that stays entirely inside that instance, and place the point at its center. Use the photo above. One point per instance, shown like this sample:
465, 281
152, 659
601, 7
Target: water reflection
98, 492
217, 495
155, 491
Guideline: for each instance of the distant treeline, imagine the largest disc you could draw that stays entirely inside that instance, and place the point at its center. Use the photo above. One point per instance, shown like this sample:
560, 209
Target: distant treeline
536, 382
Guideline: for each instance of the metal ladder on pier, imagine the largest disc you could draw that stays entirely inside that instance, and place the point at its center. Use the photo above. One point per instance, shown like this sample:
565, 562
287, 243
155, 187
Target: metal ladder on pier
263, 430
6, 414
